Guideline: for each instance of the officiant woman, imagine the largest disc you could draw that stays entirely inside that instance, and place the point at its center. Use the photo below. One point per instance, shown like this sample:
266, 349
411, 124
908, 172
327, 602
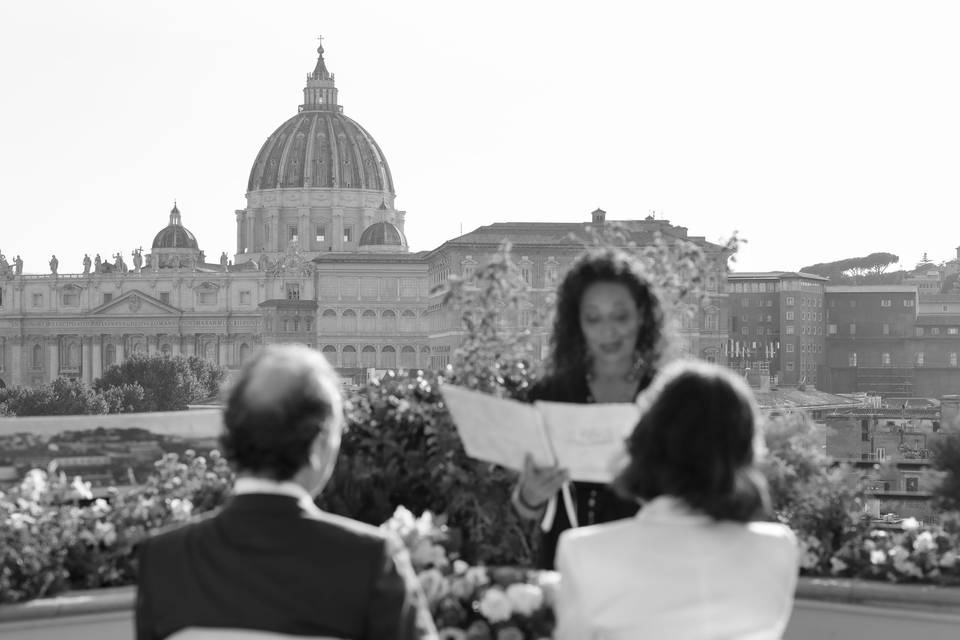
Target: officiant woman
606, 346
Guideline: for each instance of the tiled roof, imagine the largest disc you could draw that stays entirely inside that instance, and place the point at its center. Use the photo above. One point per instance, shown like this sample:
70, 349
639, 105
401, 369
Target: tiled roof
873, 288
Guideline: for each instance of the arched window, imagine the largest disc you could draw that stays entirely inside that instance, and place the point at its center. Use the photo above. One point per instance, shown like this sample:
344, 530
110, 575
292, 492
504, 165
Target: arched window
330, 353
368, 321
37, 360
110, 355
408, 321
210, 352
408, 357
349, 321
328, 321
244, 352
388, 358
368, 357
425, 357
349, 355
389, 321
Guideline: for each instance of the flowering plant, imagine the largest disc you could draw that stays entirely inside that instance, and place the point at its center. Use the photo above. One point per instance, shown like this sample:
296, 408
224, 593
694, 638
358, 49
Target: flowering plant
910, 554
54, 535
474, 602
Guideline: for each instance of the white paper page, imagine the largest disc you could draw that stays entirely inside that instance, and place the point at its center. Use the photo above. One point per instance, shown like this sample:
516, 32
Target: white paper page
588, 438
498, 430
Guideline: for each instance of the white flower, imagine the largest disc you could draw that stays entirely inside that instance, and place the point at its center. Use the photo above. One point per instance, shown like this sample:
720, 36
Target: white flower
495, 606
100, 507
549, 582
460, 567
924, 542
434, 584
82, 488
525, 598
401, 522
910, 524
105, 532
948, 559
877, 556
899, 554
20, 520
837, 565
34, 484
424, 524
477, 576
180, 509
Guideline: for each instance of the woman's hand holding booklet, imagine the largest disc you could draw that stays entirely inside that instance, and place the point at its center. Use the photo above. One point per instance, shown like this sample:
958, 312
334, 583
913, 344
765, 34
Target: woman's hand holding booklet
584, 439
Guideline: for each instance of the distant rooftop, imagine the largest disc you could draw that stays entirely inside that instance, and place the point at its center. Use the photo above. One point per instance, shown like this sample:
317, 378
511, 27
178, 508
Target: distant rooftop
769, 275
872, 288
788, 398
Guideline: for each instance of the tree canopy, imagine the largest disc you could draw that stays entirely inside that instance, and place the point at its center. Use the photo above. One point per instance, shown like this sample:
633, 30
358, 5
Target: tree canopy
851, 269
169, 384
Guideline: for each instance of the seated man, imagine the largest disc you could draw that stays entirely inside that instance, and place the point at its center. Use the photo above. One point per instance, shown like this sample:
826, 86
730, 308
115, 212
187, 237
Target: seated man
270, 560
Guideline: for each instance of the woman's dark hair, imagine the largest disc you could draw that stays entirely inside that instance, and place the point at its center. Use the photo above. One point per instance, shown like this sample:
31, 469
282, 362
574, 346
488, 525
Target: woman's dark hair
695, 441
274, 439
568, 349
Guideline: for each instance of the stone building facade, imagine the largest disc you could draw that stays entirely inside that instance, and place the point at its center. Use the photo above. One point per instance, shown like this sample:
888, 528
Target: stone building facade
321, 259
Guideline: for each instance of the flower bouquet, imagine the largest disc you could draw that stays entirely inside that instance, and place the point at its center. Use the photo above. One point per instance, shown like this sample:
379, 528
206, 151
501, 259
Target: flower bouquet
475, 602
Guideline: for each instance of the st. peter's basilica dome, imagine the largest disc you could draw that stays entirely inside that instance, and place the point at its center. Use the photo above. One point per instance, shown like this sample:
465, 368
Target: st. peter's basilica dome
320, 147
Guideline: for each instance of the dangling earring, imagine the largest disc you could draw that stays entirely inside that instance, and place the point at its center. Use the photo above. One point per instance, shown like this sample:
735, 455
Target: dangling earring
638, 364
588, 365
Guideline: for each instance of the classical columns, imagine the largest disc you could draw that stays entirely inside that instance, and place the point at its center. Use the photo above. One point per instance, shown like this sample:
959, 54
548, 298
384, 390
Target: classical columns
96, 361
15, 345
53, 348
86, 357
224, 343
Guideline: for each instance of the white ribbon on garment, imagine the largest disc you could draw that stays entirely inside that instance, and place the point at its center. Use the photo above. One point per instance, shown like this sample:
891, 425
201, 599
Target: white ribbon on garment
551, 511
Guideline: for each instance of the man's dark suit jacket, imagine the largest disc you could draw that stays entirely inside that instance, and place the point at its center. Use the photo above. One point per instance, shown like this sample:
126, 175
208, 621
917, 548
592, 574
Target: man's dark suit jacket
272, 563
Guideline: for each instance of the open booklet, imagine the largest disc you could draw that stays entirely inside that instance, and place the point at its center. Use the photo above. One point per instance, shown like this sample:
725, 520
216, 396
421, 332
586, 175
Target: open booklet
585, 439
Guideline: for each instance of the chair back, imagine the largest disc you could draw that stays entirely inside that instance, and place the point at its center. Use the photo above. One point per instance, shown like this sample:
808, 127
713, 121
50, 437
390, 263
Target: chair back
210, 633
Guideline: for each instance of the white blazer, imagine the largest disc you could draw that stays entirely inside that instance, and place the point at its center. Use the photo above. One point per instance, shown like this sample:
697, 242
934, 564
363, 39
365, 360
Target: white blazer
671, 573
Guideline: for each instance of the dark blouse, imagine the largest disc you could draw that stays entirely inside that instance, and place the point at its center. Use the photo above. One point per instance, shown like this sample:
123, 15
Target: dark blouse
595, 502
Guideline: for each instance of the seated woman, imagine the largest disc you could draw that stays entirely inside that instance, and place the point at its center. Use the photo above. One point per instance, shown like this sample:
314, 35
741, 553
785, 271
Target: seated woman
696, 562
607, 341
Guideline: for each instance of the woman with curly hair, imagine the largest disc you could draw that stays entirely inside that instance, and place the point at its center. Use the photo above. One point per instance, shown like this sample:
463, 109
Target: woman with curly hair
699, 561
606, 345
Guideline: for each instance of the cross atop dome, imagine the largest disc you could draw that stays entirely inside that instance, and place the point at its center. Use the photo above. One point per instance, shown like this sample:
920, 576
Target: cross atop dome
320, 94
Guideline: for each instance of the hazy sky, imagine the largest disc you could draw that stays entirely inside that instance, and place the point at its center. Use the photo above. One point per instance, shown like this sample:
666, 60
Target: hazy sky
817, 130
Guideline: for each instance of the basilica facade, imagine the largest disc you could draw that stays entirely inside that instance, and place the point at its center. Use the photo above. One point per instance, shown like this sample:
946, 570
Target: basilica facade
321, 259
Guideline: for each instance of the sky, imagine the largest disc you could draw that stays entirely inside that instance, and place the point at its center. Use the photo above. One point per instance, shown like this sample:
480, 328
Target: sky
815, 131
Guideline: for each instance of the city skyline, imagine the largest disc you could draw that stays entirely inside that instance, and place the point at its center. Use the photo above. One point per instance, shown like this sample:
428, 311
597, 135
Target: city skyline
814, 140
